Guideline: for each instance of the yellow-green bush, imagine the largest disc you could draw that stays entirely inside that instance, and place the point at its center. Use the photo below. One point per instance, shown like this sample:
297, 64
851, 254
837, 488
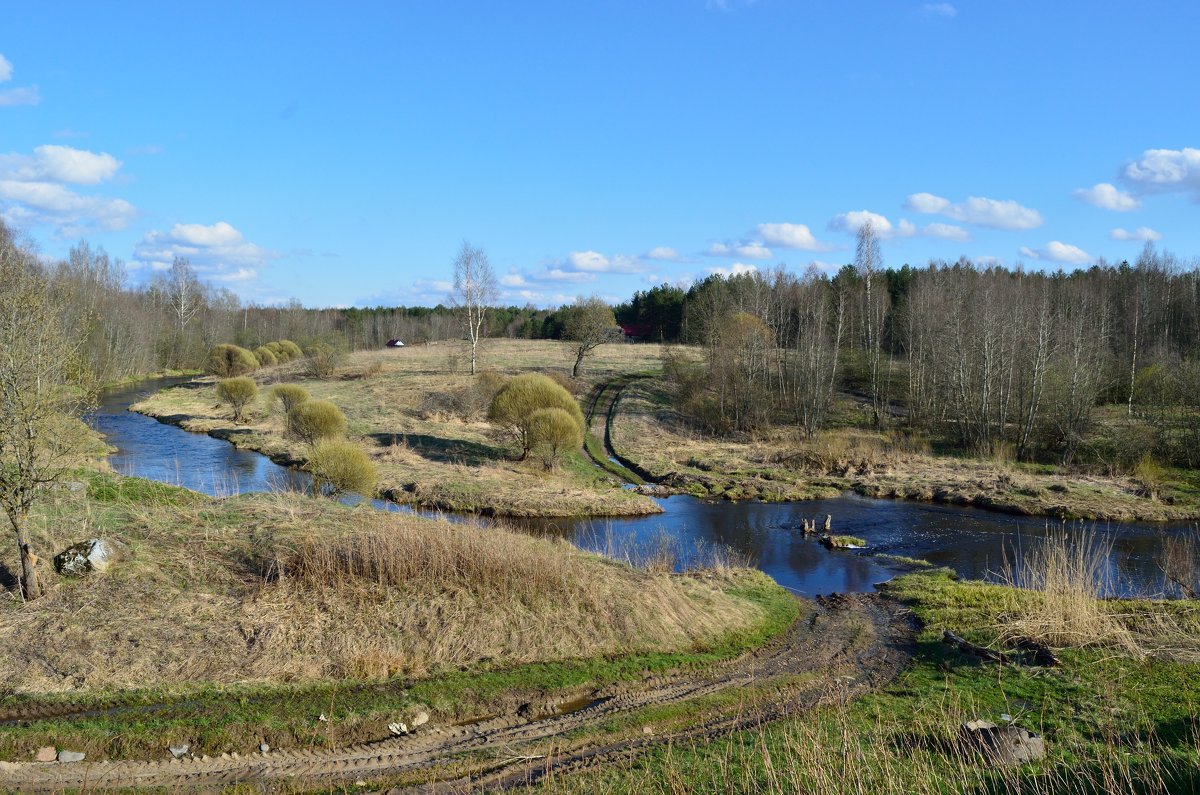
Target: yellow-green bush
289, 396
515, 403
315, 420
237, 393
266, 358
291, 349
338, 466
227, 361
553, 432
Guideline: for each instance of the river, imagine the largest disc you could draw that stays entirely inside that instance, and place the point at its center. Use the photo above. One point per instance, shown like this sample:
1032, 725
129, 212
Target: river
973, 542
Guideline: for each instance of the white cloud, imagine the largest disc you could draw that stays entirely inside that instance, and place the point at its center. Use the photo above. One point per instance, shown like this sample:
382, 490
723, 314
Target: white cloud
788, 235
940, 10
946, 232
65, 164
736, 269
977, 210
5, 69
663, 254
595, 262
1143, 233
925, 203
1108, 197
750, 250
512, 279
54, 205
218, 252
1054, 251
854, 220
1166, 171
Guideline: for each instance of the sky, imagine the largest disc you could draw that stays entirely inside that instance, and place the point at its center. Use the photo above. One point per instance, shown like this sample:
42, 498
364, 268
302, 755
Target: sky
340, 153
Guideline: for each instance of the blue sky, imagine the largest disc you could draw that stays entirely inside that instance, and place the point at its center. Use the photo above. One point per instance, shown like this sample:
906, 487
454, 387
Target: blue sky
340, 153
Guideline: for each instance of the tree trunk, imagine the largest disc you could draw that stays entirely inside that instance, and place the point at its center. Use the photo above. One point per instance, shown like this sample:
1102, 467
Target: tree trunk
30, 587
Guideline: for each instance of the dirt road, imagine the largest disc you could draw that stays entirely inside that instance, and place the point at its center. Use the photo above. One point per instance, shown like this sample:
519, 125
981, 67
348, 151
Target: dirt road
844, 645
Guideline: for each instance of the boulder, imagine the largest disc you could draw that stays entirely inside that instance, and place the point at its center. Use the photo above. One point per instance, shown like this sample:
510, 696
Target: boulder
47, 753
85, 557
1002, 746
420, 719
178, 751
71, 756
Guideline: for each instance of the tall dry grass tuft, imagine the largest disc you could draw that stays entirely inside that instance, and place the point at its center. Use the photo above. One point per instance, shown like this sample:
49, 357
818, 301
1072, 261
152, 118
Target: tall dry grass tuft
1069, 575
402, 557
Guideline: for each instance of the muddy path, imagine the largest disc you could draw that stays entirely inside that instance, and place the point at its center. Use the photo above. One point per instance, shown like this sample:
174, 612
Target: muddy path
841, 647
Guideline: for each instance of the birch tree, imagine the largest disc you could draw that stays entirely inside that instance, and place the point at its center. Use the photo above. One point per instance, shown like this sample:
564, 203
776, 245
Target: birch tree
475, 291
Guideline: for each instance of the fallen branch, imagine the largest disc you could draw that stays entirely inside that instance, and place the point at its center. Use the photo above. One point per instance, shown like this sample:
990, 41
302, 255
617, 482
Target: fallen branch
967, 647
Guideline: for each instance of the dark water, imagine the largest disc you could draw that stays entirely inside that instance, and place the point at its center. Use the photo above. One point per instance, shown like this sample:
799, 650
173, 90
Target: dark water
973, 542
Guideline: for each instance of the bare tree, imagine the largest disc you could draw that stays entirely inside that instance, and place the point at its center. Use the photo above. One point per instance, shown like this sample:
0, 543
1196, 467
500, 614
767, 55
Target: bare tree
475, 291
39, 396
868, 260
589, 323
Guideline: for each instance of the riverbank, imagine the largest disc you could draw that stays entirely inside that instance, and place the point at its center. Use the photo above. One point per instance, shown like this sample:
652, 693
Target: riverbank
781, 466
418, 417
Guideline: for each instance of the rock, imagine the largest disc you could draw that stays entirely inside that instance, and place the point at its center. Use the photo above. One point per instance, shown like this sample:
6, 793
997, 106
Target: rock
1002, 746
71, 756
264, 748
95, 554
420, 719
647, 729
178, 751
397, 729
47, 753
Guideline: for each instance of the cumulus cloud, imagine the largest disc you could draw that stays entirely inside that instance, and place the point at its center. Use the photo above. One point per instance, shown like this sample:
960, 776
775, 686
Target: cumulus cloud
53, 205
946, 232
64, 164
851, 222
787, 235
1165, 171
925, 203
1142, 234
1107, 197
218, 252
751, 249
736, 269
977, 211
663, 254
940, 10
5, 69
595, 262
1055, 251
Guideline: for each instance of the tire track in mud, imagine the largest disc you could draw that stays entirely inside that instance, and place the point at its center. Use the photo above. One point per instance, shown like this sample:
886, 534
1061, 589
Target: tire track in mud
848, 644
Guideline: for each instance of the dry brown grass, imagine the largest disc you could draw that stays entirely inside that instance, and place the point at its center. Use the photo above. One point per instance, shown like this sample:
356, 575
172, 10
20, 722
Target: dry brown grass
270, 588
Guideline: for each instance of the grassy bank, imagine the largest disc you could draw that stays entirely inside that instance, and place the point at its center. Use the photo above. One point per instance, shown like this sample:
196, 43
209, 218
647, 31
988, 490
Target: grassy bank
415, 412
222, 603
782, 465
1121, 714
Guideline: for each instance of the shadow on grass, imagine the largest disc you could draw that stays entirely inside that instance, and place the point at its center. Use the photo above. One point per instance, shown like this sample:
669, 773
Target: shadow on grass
447, 451
8, 580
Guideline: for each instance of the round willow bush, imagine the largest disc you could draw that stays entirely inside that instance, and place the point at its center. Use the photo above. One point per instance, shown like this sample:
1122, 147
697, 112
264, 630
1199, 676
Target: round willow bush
515, 403
315, 420
291, 349
237, 393
266, 358
338, 467
227, 361
280, 354
289, 396
553, 432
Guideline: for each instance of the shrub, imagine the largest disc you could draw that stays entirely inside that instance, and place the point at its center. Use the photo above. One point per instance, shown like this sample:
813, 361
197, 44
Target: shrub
552, 432
266, 358
338, 466
238, 393
1150, 474
516, 402
289, 397
477, 397
314, 420
280, 353
227, 361
291, 349
323, 359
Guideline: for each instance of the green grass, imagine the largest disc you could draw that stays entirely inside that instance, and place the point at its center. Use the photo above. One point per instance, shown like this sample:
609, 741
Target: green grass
1109, 721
